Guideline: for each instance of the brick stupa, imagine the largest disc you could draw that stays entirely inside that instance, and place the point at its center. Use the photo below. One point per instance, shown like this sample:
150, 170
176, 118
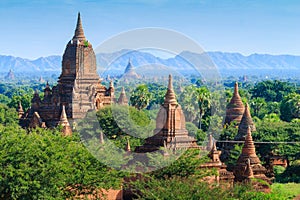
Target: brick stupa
244, 124
235, 108
122, 98
248, 159
79, 86
170, 129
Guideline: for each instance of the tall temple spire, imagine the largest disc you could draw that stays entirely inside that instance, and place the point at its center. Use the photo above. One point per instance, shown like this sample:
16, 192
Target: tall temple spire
79, 34
235, 108
123, 99
246, 122
65, 123
170, 97
20, 110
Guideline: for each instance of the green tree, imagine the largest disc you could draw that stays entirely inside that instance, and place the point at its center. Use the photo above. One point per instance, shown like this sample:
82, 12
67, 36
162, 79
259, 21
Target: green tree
204, 102
290, 107
140, 97
256, 105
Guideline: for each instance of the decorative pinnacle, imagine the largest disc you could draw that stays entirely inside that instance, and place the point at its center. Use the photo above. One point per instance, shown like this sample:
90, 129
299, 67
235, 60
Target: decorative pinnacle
170, 97
63, 117
236, 89
79, 34
127, 148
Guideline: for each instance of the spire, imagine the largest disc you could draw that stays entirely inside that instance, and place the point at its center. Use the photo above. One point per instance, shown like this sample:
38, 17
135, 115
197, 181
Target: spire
248, 172
79, 34
101, 138
236, 89
129, 67
210, 142
170, 97
47, 85
123, 99
20, 110
127, 148
246, 122
65, 123
248, 151
111, 84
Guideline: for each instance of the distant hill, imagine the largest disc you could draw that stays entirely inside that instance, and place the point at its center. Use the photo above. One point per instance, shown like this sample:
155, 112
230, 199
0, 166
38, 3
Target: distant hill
115, 63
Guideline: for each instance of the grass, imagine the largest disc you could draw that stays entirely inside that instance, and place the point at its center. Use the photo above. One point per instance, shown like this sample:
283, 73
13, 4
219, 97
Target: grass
287, 190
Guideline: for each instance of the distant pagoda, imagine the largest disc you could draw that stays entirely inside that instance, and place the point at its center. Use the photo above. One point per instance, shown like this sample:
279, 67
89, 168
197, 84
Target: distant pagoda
170, 129
10, 75
245, 123
129, 72
79, 87
235, 108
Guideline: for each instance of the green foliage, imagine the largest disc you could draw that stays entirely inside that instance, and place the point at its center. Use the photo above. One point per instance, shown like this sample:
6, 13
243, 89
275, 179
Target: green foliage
118, 123
272, 90
290, 107
140, 97
45, 165
278, 131
8, 116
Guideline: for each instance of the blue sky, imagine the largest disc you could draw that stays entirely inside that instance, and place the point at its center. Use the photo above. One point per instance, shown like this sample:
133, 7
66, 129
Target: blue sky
32, 29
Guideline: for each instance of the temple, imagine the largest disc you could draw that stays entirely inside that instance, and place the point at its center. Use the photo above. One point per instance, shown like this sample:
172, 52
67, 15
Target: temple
245, 123
78, 90
248, 165
235, 108
129, 72
170, 129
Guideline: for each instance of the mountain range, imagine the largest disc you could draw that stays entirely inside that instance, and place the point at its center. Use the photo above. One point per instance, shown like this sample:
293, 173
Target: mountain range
115, 63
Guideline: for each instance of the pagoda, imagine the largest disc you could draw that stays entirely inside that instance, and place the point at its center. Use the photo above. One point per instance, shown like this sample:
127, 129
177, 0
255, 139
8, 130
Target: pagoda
122, 98
79, 87
129, 72
235, 108
170, 129
244, 124
248, 164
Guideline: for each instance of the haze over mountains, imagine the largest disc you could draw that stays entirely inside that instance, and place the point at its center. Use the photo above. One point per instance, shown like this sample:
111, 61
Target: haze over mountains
227, 63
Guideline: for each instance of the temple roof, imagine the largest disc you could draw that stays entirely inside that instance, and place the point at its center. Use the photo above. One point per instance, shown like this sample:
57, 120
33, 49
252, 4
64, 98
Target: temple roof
129, 67
235, 108
79, 33
170, 97
244, 124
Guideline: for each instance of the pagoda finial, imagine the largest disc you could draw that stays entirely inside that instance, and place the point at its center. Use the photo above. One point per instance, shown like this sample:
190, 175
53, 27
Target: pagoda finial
127, 148
66, 128
79, 34
236, 89
170, 97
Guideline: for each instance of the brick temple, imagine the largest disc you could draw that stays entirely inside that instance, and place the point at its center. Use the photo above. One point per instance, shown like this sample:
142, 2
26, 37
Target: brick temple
78, 90
170, 129
235, 108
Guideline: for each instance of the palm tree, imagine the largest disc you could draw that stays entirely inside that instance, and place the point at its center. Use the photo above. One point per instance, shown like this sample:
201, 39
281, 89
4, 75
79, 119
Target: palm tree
140, 97
204, 102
